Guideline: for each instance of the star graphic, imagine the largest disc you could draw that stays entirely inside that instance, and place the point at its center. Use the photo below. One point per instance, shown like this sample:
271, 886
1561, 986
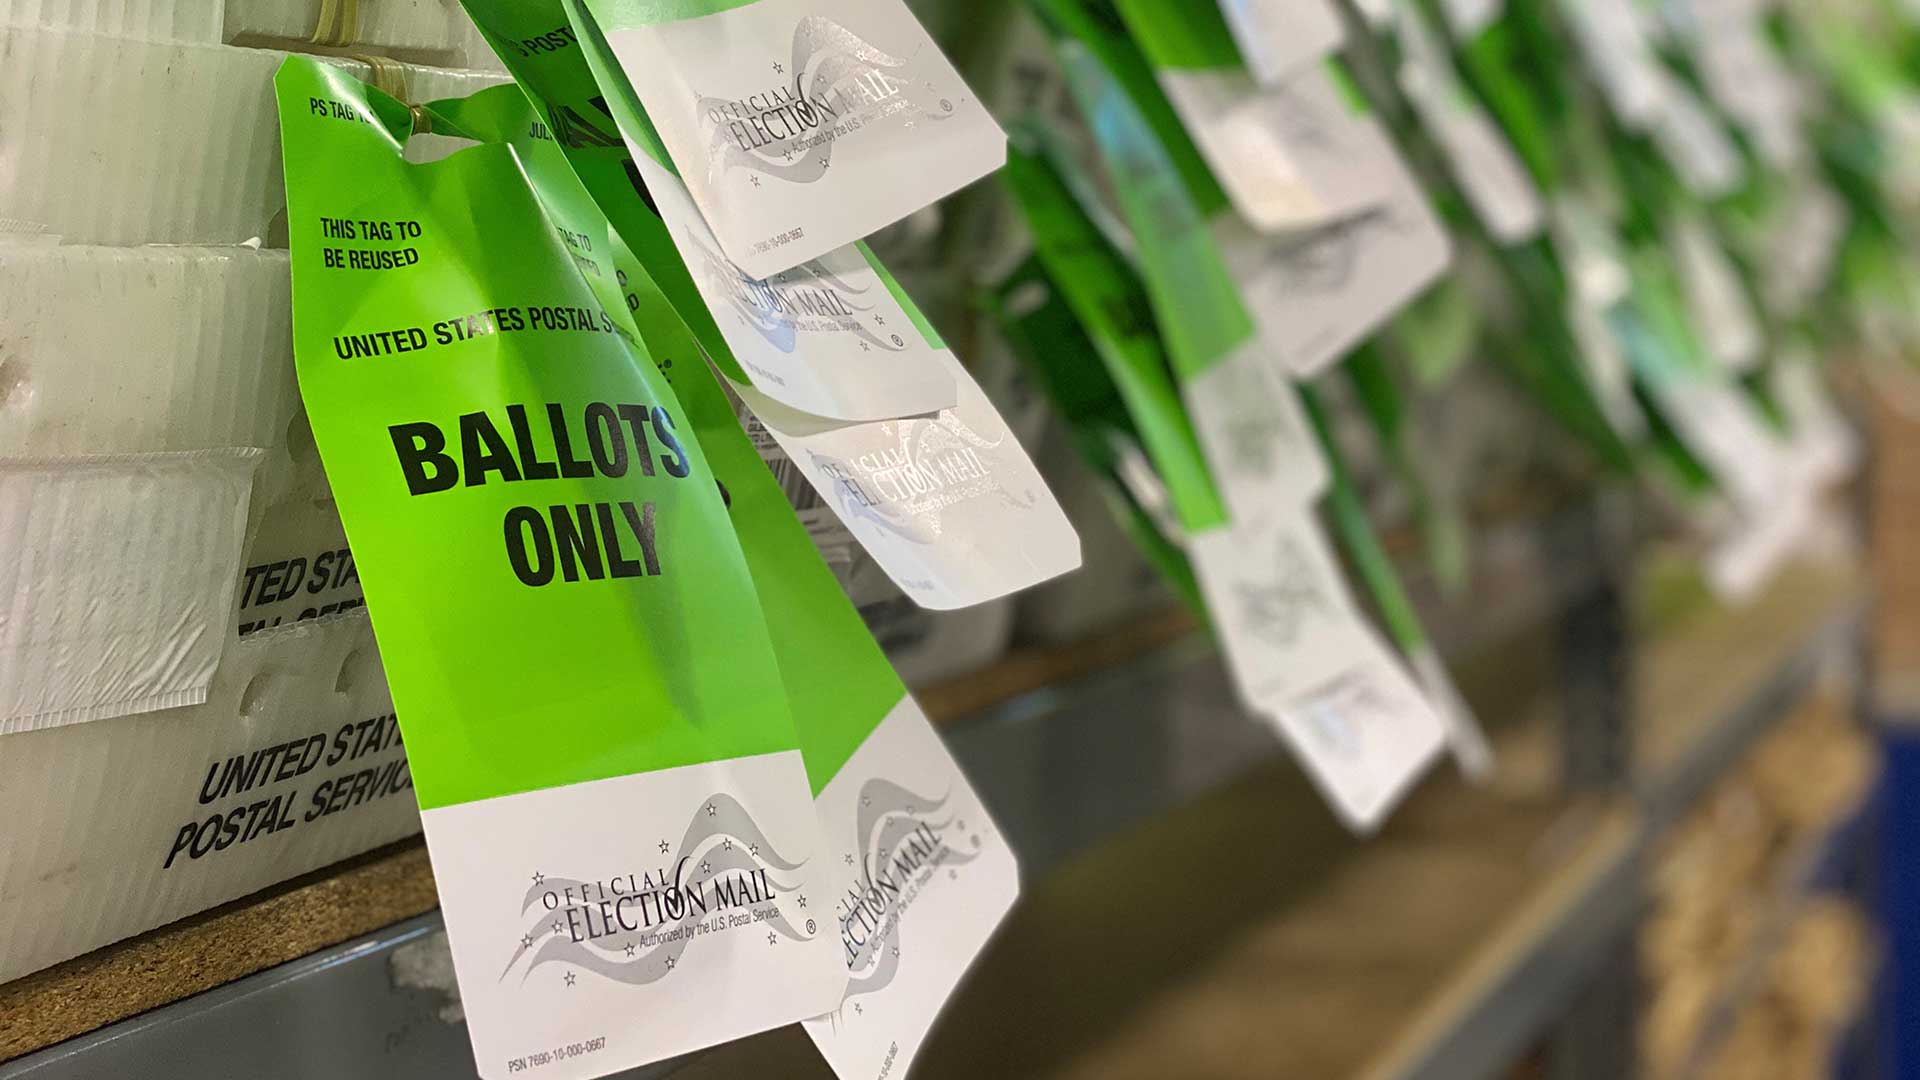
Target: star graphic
570, 978
629, 948
896, 950
754, 180
727, 844
777, 69
538, 877
910, 808
803, 899
879, 320
710, 810
857, 1008
556, 926
864, 347
526, 941
706, 867
754, 850
866, 800
670, 962
770, 938
849, 859
663, 847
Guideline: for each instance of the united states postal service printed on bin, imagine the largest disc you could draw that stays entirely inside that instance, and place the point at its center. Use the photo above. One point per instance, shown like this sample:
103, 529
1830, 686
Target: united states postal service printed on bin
949, 505
608, 774
920, 875
801, 125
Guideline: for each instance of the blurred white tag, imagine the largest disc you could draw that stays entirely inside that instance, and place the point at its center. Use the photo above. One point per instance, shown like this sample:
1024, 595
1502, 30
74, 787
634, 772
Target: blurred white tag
801, 126
949, 505
1302, 656
1465, 18
1316, 295
1715, 295
826, 337
1259, 446
1482, 161
1701, 151
1278, 36
1289, 156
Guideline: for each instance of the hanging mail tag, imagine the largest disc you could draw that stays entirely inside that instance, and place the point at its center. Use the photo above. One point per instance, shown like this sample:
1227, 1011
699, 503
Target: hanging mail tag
800, 126
601, 743
949, 505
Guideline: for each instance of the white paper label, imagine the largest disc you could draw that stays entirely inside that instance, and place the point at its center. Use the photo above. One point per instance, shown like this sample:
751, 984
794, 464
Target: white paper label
1277, 37
1610, 35
1289, 156
922, 877
1825, 447
1259, 447
1701, 152
1489, 172
826, 337
1365, 734
949, 505
675, 909
1720, 424
1317, 295
1715, 296
1302, 656
1465, 18
1802, 239
116, 581
801, 126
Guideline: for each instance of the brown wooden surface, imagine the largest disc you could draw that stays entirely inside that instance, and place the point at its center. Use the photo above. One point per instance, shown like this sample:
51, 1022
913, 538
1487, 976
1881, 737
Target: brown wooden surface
198, 953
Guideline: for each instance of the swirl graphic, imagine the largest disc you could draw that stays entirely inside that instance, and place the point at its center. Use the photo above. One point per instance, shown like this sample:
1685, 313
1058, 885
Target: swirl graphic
891, 817
827, 59
733, 853
759, 302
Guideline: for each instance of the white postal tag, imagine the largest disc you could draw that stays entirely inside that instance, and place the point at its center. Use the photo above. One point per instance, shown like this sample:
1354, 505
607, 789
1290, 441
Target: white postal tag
1302, 656
801, 126
922, 878
1715, 296
949, 505
1277, 37
826, 337
1255, 434
1290, 156
1316, 295
1489, 171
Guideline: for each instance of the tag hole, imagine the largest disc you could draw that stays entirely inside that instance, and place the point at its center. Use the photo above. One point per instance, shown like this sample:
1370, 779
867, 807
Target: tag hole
13, 382
300, 445
253, 699
349, 672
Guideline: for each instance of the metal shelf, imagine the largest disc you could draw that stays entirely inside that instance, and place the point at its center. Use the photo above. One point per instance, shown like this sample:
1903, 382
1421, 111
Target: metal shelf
1120, 788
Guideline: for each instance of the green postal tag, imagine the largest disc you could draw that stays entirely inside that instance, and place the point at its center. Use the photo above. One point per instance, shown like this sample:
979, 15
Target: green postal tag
608, 772
919, 873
